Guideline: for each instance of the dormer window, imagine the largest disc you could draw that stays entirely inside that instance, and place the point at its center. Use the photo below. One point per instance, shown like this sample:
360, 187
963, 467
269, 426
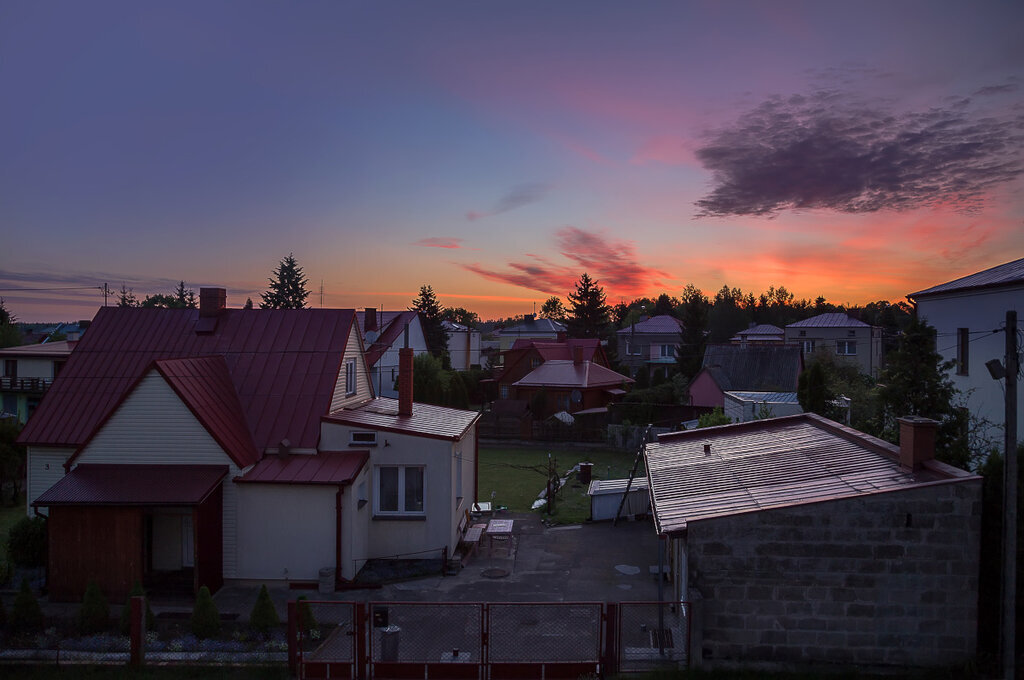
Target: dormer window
362, 439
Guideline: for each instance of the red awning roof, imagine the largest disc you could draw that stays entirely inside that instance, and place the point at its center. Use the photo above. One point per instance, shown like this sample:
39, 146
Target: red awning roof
330, 468
90, 484
427, 420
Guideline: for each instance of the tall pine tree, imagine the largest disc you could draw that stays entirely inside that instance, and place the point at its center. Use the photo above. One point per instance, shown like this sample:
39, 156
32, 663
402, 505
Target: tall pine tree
431, 315
695, 308
287, 287
589, 313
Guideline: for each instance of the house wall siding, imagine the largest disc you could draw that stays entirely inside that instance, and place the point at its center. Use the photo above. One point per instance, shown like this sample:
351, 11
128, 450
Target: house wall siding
153, 426
45, 468
35, 368
385, 372
869, 344
364, 391
356, 522
890, 578
704, 392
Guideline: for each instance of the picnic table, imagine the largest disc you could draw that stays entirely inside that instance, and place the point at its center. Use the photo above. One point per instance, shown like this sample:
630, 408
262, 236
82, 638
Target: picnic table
499, 530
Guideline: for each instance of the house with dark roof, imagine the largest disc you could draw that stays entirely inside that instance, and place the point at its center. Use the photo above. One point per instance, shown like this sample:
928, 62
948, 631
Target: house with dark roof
650, 343
463, 345
202, 446
849, 339
762, 333
964, 312
384, 334
572, 386
26, 372
745, 368
531, 328
797, 541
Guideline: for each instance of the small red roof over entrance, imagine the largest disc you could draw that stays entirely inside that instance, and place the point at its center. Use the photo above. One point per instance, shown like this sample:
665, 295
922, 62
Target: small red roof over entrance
330, 468
90, 484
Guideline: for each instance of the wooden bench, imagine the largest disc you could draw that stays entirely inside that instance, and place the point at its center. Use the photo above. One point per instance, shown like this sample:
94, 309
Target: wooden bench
471, 540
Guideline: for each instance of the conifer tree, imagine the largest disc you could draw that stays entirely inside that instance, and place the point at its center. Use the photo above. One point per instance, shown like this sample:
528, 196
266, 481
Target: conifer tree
589, 313
431, 315
287, 286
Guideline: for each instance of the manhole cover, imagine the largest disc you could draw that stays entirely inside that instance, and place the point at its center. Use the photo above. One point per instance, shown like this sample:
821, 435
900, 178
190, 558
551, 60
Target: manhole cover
495, 573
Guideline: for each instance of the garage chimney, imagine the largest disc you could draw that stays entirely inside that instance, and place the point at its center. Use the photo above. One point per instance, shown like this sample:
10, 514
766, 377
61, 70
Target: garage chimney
405, 381
917, 441
369, 320
577, 355
212, 301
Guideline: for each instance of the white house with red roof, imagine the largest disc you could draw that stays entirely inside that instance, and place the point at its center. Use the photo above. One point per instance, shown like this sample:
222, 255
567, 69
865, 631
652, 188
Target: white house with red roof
230, 444
384, 334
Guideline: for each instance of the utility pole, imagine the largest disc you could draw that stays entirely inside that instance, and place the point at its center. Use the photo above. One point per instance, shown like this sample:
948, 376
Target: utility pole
1010, 503
106, 292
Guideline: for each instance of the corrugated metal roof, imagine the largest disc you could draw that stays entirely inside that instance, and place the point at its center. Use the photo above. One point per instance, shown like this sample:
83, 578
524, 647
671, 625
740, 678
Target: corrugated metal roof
603, 487
49, 350
754, 368
1001, 275
150, 485
393, 325
559, 373
427, 420
663, 323
283, 365
762, 331
769, 464
766, 397
534, 326
830, 320
328, 468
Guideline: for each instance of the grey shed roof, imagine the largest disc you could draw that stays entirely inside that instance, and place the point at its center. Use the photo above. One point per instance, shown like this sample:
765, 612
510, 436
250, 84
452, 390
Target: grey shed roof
830, 320
766, 397
656, 324
1002, 275
754, 368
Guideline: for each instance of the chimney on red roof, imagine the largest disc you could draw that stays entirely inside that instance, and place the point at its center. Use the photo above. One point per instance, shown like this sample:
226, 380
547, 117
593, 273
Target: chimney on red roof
405, 381
212, 301
370, 320
577, 355
917, 441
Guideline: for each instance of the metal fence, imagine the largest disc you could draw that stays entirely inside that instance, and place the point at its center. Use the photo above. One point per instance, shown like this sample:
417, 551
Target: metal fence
485, 641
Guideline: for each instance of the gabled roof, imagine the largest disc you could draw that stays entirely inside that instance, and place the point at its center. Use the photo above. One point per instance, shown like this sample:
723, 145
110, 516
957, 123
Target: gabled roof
550, 351
527, 326
754, 368
1002, 275
334, 468
663, 323
760, 330
427, 420
45, 350
830, 320
569, 374
393, 325
91, 484
772, 463
283, 365
766, 397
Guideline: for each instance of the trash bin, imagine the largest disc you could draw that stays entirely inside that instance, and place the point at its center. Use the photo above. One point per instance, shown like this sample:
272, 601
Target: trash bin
326, 581
586, 471
389, 643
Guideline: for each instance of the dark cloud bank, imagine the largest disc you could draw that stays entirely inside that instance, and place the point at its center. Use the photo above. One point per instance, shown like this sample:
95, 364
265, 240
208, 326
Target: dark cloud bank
825, 151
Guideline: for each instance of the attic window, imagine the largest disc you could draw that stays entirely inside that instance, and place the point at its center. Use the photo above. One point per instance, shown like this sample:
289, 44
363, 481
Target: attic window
803, 334
350, 377
362, 439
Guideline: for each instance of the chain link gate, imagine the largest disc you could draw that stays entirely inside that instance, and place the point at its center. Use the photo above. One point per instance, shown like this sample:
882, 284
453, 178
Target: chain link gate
544, 640
329, 635
426, 640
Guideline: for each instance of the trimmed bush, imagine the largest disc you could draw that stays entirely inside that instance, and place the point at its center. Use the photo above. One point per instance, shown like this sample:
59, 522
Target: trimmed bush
26, 615
307, 621
94, 614
126, 611
26, 543
3, 617
205, 617
263, 617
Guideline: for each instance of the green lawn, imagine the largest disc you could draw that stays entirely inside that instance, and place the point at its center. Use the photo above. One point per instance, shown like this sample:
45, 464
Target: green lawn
517, 476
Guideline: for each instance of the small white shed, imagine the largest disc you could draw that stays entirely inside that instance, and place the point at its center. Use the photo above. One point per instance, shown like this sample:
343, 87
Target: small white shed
606, 494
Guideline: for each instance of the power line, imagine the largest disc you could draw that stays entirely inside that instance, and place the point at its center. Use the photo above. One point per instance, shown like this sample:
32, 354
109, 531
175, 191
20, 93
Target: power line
18, 290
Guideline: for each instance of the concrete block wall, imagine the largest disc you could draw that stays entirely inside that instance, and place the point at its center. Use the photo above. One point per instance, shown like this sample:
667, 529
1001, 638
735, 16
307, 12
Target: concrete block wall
885, 579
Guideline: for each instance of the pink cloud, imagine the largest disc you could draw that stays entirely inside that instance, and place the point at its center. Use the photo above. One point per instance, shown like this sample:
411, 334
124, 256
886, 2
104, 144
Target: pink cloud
439, 242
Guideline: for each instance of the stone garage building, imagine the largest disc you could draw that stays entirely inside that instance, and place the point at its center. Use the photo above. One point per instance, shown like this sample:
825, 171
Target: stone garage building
799, 540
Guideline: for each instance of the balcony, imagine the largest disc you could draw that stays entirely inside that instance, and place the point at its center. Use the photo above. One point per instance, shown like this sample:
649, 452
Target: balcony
37, 385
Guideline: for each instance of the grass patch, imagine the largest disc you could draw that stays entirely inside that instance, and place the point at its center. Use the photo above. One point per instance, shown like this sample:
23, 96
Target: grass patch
518, 475
9, 516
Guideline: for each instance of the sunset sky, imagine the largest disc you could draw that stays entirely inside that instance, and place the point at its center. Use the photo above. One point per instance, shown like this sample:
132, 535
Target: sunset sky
497, 150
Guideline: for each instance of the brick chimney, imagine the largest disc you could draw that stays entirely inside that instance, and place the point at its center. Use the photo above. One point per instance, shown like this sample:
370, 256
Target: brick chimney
917, 441
577, 355
405, 356
369, 320
212, 301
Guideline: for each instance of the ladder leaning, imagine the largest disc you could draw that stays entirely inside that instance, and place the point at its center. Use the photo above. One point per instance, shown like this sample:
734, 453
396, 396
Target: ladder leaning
636, 464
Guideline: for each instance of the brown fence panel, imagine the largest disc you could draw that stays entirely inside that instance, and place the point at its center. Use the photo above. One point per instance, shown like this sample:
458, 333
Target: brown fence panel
549, 640
426, 640
653, 635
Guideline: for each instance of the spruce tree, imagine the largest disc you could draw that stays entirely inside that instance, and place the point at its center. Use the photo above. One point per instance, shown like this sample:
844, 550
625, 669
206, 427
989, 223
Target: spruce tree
205, 617
94, 613
588, 311
693, 336
287, 287
263, 618
431, 315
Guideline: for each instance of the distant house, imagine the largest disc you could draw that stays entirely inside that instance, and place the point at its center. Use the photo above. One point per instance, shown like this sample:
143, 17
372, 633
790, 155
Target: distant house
526, 355
649, 343
801, 541
198, 446
463, 346
531, 328
571, 386
743, 407
28, 371
964, 312
762, 333
745, 368
384, 334
848, 338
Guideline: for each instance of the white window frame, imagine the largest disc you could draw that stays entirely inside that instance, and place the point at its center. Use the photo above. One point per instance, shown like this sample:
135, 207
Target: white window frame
668, 350
844, 347
504, 392
350, 377
362, 438
401, 511
808, 346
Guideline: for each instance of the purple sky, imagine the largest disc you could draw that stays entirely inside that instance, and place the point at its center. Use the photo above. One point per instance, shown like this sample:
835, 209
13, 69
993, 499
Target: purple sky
496, 150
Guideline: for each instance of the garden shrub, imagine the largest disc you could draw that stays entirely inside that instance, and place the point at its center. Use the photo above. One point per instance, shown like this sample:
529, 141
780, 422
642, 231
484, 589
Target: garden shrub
263, 617
205, 617
94, 614
307, 621
3, 616
126, 611
26, 614
26, 543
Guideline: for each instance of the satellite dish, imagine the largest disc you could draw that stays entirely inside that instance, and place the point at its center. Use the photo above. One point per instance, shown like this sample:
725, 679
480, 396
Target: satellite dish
576, 396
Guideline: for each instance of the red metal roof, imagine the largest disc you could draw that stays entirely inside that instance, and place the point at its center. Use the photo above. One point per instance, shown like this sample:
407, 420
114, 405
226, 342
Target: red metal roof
283, 365
328, 468
427, 420
769, 464
149, 485
571, 374
524, 349
394, 329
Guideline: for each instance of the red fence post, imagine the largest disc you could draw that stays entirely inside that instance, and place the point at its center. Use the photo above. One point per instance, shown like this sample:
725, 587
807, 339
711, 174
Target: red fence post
610, 661
361, 623
137, 605
293, 638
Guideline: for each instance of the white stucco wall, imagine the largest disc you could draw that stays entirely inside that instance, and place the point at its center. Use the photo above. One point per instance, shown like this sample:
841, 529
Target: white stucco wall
869, 343
288, 532
356, 522
976, 311
44, 469
35, 367
463, 357
742, 411
385, 371
153, 426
